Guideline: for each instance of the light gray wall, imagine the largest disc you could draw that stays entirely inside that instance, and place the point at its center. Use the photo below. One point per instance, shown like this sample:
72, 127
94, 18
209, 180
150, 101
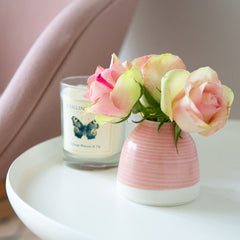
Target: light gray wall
201, 32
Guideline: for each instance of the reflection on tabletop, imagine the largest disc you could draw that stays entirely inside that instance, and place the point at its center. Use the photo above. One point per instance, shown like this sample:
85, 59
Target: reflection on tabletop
11, 228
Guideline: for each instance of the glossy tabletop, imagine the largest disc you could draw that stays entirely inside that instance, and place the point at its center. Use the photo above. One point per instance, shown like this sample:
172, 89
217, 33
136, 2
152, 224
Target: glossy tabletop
58, 202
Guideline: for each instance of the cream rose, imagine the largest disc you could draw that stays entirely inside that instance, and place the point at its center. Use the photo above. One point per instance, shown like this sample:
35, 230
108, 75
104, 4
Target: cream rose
196, 101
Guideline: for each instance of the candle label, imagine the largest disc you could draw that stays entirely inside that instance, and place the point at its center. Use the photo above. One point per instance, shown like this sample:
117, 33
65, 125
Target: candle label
82, 134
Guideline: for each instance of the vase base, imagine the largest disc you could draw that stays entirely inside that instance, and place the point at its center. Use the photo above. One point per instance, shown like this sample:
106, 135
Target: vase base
164, 198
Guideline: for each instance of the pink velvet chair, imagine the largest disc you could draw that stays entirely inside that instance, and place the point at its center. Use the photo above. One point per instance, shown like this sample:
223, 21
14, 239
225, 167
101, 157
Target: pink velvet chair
83, 35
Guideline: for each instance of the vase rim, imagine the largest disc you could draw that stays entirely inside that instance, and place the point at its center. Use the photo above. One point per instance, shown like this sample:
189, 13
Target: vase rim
155, 122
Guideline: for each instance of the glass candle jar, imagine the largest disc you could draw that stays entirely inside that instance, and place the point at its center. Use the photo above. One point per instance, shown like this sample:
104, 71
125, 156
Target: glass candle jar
86, 144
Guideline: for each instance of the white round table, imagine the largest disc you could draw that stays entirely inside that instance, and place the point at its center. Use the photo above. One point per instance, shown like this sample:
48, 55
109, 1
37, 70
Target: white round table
58, 202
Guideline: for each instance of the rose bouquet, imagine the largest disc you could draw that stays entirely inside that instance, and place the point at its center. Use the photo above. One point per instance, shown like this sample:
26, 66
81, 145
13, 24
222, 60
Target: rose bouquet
159, 88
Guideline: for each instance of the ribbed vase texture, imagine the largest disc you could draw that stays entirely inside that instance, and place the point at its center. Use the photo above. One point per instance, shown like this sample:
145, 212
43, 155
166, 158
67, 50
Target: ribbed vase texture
150, 161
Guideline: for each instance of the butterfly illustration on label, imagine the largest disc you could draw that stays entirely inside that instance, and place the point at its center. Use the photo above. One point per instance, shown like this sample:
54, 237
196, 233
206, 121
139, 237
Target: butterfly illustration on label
89, 130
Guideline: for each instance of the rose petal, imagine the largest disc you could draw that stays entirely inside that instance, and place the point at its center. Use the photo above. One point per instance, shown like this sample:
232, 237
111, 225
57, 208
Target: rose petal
140, 61
97, 90
196, 93
102, 119
172, 84
228, 96
219, 120
187, 116
87, 94
155, 68
105, 106
207, 111
211, 100
91, 79
98, 70
108, 76
117, 67
200, 76
127, 90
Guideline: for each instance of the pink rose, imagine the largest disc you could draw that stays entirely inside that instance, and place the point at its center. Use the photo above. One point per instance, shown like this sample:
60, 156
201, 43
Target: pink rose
154, 67
114, 91
198, 102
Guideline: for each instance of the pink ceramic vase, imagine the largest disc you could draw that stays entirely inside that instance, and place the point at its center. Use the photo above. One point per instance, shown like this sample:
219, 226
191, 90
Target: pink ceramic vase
152, 172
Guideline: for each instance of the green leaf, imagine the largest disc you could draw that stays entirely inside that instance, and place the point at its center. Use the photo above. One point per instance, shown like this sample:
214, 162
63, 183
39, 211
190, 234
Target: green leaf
177, 135
139, 121
150, 99
160, 125
123, 119
137, 107
143, 110
155, 106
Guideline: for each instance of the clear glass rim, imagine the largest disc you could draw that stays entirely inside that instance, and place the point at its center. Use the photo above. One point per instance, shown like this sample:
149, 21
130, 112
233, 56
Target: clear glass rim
63, 82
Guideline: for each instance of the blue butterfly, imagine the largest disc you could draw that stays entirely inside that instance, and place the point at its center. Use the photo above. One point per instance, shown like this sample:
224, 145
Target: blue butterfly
90, 130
